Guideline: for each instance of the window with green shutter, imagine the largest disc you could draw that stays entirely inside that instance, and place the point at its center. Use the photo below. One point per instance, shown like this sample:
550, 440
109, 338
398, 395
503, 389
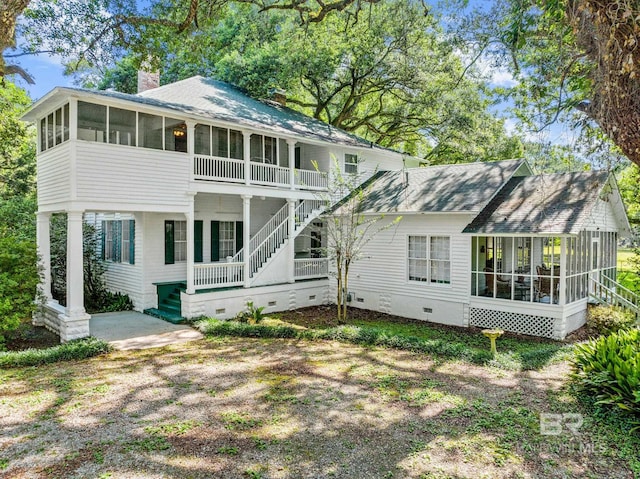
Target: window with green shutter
197, 241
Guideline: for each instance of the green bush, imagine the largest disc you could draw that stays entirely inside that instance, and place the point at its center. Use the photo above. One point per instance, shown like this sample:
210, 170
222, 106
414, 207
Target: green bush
608, 319
609, 368
108, 302
251, 313
73, 350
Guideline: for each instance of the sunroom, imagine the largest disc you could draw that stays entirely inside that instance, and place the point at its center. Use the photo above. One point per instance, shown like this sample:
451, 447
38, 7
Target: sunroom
554, 270
541, 248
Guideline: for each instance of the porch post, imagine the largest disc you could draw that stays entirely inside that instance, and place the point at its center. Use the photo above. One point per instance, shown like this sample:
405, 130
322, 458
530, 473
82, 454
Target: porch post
563, 271
291, 273
191, 147
291, 144
74, 322
246, 238
246, 153
44, 250
73, 119
190, 246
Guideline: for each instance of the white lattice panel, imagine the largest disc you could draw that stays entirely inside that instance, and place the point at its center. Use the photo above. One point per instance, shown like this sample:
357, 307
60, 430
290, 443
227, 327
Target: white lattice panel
514, 322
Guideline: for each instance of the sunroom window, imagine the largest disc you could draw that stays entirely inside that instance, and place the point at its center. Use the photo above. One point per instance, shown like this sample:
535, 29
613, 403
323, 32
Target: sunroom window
92, 122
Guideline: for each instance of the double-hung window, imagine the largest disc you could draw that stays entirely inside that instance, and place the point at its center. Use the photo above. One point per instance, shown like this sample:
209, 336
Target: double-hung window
227, 243
350, 163
429, 259
118, 241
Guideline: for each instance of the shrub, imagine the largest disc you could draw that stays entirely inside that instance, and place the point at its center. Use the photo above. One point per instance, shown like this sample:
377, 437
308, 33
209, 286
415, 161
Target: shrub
608, 319
108, 302
251, 314
609, 368
73, 350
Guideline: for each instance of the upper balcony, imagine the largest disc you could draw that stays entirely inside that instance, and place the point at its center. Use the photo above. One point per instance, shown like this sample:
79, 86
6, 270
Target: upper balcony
139, 152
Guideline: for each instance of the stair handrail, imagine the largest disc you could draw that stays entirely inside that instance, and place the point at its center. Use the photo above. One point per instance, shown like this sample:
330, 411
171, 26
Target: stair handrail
632, 296
616, 298
304, 210
239, 256
269, 245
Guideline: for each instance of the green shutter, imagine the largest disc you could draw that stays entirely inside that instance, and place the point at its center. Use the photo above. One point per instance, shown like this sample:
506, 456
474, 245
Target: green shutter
197, 241
215, 241
117, 241
103, 235
238, 236
169, 246
132, 241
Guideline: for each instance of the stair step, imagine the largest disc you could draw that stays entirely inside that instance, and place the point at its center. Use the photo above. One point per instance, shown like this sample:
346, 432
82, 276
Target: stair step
165, 315
175, 296
164, 306
172, 302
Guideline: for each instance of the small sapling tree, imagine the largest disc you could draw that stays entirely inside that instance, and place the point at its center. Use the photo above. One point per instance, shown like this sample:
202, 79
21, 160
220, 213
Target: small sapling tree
348, 227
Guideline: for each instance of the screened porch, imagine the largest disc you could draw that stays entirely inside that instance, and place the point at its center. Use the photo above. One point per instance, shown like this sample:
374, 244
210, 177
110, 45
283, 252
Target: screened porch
541, 269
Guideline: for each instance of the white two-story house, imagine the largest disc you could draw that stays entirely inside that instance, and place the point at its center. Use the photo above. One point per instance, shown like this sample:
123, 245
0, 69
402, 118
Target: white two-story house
204, 197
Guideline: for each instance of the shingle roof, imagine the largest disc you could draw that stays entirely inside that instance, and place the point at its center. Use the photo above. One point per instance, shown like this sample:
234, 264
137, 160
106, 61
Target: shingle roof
224, 102
553, 204
448, 188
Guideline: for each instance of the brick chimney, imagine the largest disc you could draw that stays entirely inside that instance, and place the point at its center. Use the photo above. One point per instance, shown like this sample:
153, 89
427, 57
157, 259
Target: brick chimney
148, 80
279, 96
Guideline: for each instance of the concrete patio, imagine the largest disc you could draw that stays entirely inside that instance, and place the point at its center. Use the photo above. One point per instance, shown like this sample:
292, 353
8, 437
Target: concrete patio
127, 330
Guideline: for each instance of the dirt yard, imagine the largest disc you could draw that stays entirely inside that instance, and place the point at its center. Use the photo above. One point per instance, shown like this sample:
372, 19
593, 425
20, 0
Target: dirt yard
247, 408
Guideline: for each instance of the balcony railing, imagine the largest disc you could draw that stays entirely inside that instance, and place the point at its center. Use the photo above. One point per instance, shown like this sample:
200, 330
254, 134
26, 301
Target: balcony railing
214, 168
218, 275
270, 175
312, 180
232, 170
306, 268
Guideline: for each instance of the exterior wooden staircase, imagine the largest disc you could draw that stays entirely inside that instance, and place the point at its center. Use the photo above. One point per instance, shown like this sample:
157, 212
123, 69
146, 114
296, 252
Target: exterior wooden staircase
275, 233
169, 304
605, 290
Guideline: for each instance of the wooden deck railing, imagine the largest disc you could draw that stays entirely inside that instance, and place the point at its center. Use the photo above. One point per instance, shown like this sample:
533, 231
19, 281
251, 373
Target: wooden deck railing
228, 169
218, 275
306, 268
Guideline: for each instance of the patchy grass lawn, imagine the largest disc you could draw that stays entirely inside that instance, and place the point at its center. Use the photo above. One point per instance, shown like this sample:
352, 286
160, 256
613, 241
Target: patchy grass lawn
286, 408
514, 351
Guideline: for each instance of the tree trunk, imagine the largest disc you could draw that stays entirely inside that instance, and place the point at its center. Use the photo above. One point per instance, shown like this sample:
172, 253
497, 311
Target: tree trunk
10, 10
346, 291
609, 33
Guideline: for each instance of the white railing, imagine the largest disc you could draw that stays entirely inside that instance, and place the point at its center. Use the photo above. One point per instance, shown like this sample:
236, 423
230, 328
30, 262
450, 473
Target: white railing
266, 174
269, 227
607, 290
218, 275
311, 179
215, 168
311, 268
271, 243
305, 209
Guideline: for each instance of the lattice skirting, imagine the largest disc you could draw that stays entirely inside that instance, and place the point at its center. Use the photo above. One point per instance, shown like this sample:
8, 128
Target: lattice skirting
514, 322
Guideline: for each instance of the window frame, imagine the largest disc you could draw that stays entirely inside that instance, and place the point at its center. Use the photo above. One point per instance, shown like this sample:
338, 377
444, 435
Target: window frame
354, 164
426, 260
115, 249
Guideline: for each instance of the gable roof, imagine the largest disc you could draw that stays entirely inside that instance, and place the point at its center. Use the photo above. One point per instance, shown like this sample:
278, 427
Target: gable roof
551, 204
214, 100
464, 187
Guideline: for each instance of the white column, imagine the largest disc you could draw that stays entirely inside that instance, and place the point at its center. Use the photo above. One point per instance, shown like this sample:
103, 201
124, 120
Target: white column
292, 250
190, 246
246, 229
191, 146
44, 250
246, 153
292, 163
563, 271
73, 119
74, 323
